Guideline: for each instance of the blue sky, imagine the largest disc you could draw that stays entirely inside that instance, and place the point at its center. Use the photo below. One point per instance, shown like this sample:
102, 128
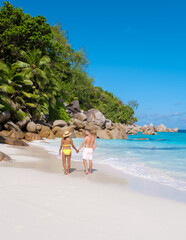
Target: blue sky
137, 50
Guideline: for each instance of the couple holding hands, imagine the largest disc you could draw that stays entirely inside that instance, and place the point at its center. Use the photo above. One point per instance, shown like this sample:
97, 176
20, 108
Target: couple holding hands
90, 145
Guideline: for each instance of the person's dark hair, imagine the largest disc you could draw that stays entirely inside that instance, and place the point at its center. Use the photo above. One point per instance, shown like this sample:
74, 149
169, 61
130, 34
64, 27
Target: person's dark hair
88, 130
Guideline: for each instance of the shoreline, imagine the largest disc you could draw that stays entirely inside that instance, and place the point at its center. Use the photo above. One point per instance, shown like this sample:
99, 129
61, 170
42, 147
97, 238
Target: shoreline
103, 173
35, 194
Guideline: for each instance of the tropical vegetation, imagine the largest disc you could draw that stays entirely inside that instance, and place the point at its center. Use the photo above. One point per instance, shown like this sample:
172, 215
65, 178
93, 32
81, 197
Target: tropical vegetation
38, 68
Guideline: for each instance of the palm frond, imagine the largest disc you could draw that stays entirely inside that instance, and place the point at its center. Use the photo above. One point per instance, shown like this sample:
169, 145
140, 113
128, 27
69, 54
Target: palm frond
28, 82
20, 64
32, 105
7, 89
44, 61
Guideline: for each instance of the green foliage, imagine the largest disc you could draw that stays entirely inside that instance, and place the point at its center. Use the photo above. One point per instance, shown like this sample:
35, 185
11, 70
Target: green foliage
19, 115
39, 66
58, 112
20, 31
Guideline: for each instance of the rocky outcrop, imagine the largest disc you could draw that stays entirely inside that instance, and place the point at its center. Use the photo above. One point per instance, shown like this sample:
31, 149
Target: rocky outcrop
31, 127
11, 126
108, 124
96, 117
55, 129
149, 132
78, 124
12, 141
51, 135
4, 133
104, 134
73, 108
29, 136
23, 123
131, 129
4, 116
80, 116
4, 157
59, 123
161, 128
38, 127
45, 131
92, 127
175, 130
16, 134
61, 132
79, 134
117, 133
13, 131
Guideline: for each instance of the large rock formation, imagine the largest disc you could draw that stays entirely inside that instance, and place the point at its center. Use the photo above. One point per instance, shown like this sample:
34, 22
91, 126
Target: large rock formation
149, 132
96, 117
11, 126
117, 133
4, 133
78, 124
23, 123
108, 124
4, 116
51, 135
175, 130
61, 131
55, 129
161, 128
15, 131
104, 134
38, 127
29, 136
80, 116
31, 127
92, 127
45, 131
4, 157
12, 141
73, 108
59, 123
16, 134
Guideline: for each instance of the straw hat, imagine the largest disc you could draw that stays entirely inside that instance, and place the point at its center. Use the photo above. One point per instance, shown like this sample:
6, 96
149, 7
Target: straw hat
66, 134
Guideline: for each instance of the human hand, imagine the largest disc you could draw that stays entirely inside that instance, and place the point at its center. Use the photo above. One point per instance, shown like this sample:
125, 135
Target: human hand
59, 153
77, 151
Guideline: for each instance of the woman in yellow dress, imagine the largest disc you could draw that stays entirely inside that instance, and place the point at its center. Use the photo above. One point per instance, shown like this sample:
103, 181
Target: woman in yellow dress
66, 144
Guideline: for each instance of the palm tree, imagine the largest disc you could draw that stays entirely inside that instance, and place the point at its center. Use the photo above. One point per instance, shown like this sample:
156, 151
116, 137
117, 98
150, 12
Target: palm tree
42, 92
12, 85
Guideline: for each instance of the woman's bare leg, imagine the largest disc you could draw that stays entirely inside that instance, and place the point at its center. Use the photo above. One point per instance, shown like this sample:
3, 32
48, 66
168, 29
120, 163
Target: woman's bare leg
68, 161
64, 162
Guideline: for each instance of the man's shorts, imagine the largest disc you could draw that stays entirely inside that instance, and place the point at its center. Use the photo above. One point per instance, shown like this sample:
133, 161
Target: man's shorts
87, 153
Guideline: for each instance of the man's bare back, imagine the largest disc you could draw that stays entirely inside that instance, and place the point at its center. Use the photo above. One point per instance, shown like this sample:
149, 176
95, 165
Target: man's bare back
90, 145
89, 141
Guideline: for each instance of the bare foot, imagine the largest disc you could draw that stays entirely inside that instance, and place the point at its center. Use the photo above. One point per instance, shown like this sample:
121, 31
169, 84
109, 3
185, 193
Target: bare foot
89, 172
86, 172
66, 172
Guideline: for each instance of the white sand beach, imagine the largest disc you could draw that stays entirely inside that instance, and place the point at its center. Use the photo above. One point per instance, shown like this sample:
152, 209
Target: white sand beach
39, 202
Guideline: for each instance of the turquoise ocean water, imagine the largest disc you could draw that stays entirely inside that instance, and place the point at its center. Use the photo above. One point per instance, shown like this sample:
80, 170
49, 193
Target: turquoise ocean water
161, 158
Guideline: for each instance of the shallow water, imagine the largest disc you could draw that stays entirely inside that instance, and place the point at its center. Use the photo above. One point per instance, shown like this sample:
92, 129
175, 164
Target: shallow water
161, 158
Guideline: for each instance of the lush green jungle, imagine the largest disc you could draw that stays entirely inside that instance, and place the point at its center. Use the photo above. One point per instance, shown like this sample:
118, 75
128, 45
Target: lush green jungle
38, 68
